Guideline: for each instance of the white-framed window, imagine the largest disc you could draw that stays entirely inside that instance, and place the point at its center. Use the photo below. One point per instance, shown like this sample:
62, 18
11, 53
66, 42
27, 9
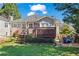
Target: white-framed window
18, 25
36, 24
24, 26
6, 33
14, 25
51, 25
45, 24
6, 24
30, 26
42, 24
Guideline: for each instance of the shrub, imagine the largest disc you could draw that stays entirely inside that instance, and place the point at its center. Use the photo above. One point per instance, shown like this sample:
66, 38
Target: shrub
30, 39
67, 29
21, 39
38, 40
77, 38
2, 41
10, 39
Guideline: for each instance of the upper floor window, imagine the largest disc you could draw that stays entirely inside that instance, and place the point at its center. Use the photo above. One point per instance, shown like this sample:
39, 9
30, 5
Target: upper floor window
15, 25
6, 24
51, 25
6, 33
44, 24
30, 26
24, 26
18, 25
47, 24
36, 24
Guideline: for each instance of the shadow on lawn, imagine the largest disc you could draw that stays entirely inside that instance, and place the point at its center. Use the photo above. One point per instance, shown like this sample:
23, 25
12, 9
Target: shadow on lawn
38, 50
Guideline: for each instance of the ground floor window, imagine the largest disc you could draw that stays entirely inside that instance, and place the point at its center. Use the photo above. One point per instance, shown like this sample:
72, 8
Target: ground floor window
6, 33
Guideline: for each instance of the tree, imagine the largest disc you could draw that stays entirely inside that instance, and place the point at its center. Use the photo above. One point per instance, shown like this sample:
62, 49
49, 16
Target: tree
67, 29
10, 9
71, 13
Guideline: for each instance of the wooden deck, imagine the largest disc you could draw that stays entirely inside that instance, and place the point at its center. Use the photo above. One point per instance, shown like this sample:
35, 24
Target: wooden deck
45, 32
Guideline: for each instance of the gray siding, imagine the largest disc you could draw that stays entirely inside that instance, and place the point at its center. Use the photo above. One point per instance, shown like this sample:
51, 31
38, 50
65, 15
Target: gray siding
4, 28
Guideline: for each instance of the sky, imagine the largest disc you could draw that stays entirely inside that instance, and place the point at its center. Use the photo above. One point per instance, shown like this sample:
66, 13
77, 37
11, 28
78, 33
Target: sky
27, 9
1, 5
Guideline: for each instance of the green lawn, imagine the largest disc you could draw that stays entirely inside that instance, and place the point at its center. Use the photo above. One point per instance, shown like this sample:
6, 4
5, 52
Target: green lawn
36, 50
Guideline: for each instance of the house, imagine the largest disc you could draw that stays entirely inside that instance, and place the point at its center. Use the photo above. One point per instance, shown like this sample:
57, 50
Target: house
44, 26
4, 27
38, 26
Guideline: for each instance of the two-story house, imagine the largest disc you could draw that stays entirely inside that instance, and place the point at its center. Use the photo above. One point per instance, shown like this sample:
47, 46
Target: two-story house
35, 25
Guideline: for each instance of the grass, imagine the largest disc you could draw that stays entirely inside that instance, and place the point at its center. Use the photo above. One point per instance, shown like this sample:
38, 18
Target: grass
35, 49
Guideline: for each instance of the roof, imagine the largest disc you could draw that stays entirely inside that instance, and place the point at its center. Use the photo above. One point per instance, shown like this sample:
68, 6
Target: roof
18, 21
32, 18
35, 18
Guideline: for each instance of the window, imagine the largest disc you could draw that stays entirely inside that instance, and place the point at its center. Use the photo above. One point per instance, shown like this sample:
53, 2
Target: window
46, 24
23, 26
30, 26
42, 24
6, 33
6, 24
18, 25
51, 25
36, 24
14, 25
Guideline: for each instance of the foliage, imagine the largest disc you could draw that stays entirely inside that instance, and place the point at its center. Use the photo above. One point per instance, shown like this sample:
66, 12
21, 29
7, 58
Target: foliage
76, 38
66, 29
2, 41
37, 50
70, 12
10, 39
31, 39
10, 9
40, 40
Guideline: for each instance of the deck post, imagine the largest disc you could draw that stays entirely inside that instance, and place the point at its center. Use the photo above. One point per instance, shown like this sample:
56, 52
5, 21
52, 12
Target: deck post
57, 39
36, 32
